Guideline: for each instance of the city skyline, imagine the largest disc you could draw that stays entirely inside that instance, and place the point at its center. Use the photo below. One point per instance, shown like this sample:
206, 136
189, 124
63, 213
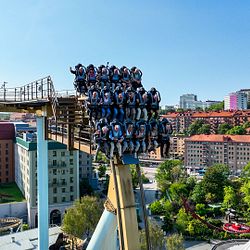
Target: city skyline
181, 47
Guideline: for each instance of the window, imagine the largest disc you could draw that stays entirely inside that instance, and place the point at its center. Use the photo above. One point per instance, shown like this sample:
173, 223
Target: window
54, 153
71, 189
71, 161
63, 153
54, 172
71, 179
55, 190
54, 180
71, 197
63, 190
63, 171
71, 171
55, 199
54, 162
71, 152
63, 181
63, 199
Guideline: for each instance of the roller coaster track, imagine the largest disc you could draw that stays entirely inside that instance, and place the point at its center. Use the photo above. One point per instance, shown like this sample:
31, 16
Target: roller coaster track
197, 217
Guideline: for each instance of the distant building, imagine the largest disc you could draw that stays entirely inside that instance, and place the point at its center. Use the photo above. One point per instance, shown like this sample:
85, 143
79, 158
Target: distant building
247, 92
187, 100
7, 166
177, 146
4, 116
235, 101
206, 150
182, 120
63, 177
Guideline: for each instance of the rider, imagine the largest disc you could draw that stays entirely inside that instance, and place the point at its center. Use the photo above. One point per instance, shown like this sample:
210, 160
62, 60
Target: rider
106, 102
140, 136
125, 77
80, 78
153, 136
132, 101
103, 76
142, 104
136, 76
102, 138
165, 129
114, 77
93, 103
128, 143
91, 75
116, 138
154, 102
119, 104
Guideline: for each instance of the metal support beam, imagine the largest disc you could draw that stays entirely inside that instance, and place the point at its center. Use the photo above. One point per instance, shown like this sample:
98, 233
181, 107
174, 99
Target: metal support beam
144, 211
42, 185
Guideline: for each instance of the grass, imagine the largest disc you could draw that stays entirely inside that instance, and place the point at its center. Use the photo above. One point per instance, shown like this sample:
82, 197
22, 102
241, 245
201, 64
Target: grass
10, 193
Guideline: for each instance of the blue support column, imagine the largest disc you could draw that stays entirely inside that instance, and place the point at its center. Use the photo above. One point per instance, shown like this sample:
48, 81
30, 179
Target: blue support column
42, 185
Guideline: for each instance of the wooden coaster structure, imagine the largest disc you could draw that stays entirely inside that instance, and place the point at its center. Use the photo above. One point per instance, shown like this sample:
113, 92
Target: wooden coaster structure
62, 117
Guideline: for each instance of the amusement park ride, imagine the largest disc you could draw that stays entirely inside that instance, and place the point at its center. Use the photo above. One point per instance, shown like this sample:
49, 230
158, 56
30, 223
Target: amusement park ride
64, 118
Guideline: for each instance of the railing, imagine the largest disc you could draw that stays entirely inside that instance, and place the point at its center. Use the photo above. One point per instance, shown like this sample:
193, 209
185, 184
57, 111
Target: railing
41, 89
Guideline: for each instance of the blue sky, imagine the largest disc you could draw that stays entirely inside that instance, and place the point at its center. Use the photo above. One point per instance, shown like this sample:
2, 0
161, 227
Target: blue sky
194, 46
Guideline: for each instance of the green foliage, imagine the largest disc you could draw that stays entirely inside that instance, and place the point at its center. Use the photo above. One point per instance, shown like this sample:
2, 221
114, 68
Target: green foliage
245, 189
175, 242
245, 174
200, 209
85, 188
157, 207
224, 128
169, 172
196, 227
178, 190
216, 107
156, 237
82, 218
195, 126
230, 198
237, 130
10, 193
25, 227
102, 170
246, 125
198, 194
135, 178
182, 220
204, 129
215, 179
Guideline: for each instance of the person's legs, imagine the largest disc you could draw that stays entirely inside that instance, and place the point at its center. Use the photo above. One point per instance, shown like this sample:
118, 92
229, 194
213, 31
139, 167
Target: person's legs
112, 149
119, 147
125, 146
138, 116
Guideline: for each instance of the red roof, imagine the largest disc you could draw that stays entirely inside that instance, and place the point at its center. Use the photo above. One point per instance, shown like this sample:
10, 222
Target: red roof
7, 131
220, 138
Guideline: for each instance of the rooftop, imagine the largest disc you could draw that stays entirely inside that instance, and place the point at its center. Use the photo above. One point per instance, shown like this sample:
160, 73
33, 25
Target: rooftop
220, 138
27, 239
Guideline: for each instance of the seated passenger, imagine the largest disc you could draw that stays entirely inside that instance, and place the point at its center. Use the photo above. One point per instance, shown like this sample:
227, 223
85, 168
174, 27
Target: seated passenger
119, 106
128, 143
116, 138
131, 99
136, 78
154, 102
140, 136
80, 78
103, 77
165, 130
114, 77
152, 136
93, 103
91, 75
106, 102
101, 139
142, 105
125, 77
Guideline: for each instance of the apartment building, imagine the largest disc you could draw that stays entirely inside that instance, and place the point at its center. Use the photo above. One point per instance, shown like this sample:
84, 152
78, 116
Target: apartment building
7, 166
181, 121
177, 146
205, 150
63, 177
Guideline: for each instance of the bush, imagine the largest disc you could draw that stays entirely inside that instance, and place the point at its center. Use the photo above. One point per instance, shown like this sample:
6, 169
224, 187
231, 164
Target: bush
156, 208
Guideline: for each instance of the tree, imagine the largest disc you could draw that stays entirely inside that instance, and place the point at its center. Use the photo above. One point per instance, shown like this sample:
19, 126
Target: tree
246, 125
82, 218
156, 237
135, 178
237, 130
224, 128
216, 107
245, 189
195, 126
175, 242
178, 190
169, 172
102, 170
85, 188
215, 179
204, 129
157, 207
230, 198
182, 220
198, 194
